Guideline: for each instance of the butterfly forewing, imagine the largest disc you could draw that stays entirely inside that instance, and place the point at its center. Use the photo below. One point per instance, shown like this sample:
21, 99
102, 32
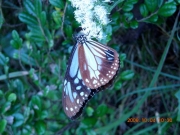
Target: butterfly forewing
75, 92
98, 64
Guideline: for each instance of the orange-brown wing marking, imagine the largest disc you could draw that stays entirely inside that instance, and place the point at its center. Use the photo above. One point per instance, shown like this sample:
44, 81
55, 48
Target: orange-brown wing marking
98, 64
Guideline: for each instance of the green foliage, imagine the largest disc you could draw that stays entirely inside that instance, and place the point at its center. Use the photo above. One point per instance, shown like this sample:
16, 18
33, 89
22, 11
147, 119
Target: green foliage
35, 43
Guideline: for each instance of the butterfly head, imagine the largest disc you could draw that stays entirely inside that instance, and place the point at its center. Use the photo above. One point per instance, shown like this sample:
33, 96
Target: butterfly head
81, 38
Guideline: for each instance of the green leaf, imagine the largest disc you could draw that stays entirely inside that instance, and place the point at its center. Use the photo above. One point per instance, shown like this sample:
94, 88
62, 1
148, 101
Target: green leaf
12, 97
24, 58
160, 2
38, 8
57, 3
143, 10
118, 85
1, 94
101, 110
40, 127
29, 7
43, 114
127, 75
5, 107
19, 119
177, 95
28, 19
89, 121
134, 24
43, 18
36, 102
17, 41
68, 30
167, 9
1, 18
128, 15
3, 124
89, 111
128, 6
57, 18
3, 60
153, 18
151, 5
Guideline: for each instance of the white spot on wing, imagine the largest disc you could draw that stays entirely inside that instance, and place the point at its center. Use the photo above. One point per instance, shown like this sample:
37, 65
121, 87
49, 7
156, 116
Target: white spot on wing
87, 80
74, 94
82, 93
78, 87
95, 81
78, 101
76, 81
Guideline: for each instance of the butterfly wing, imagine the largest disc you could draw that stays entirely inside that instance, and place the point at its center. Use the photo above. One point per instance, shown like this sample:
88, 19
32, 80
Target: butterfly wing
75, 92
98, 64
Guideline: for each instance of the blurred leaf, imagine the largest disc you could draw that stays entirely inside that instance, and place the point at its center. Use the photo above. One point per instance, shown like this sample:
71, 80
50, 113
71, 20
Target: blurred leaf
134, 24
57, 18
129, 16
68, 30
151, 5
12, 97
122, 58
57, 3
27, 130
40, 127
43, 18
143, 10
177, 95
28, 19
43, 115
128, 6
3, 124
25, 58
89, 121
1, 94
6, 106
16, 42
1, 18
89, 111
3, 59
153, 18
19, 119
118, 85
167, 9
127, 75
90, 132
38, 8
36, 102
29, 7
160, 2
101, 110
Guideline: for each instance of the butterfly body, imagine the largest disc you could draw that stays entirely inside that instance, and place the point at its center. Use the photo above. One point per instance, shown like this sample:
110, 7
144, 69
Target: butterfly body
91, 68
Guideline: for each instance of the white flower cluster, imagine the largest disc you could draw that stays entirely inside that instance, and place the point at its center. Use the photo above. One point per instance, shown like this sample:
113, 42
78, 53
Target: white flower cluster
91, 17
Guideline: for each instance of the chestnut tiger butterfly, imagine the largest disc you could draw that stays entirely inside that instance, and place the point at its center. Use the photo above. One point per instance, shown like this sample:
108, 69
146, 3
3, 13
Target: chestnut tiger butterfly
92, 67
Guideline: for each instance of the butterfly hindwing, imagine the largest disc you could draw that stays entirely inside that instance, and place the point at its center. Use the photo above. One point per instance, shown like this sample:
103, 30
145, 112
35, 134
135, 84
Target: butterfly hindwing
98, 64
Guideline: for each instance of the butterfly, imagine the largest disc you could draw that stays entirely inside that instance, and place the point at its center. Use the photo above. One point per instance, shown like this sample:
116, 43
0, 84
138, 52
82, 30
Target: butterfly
92, 67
